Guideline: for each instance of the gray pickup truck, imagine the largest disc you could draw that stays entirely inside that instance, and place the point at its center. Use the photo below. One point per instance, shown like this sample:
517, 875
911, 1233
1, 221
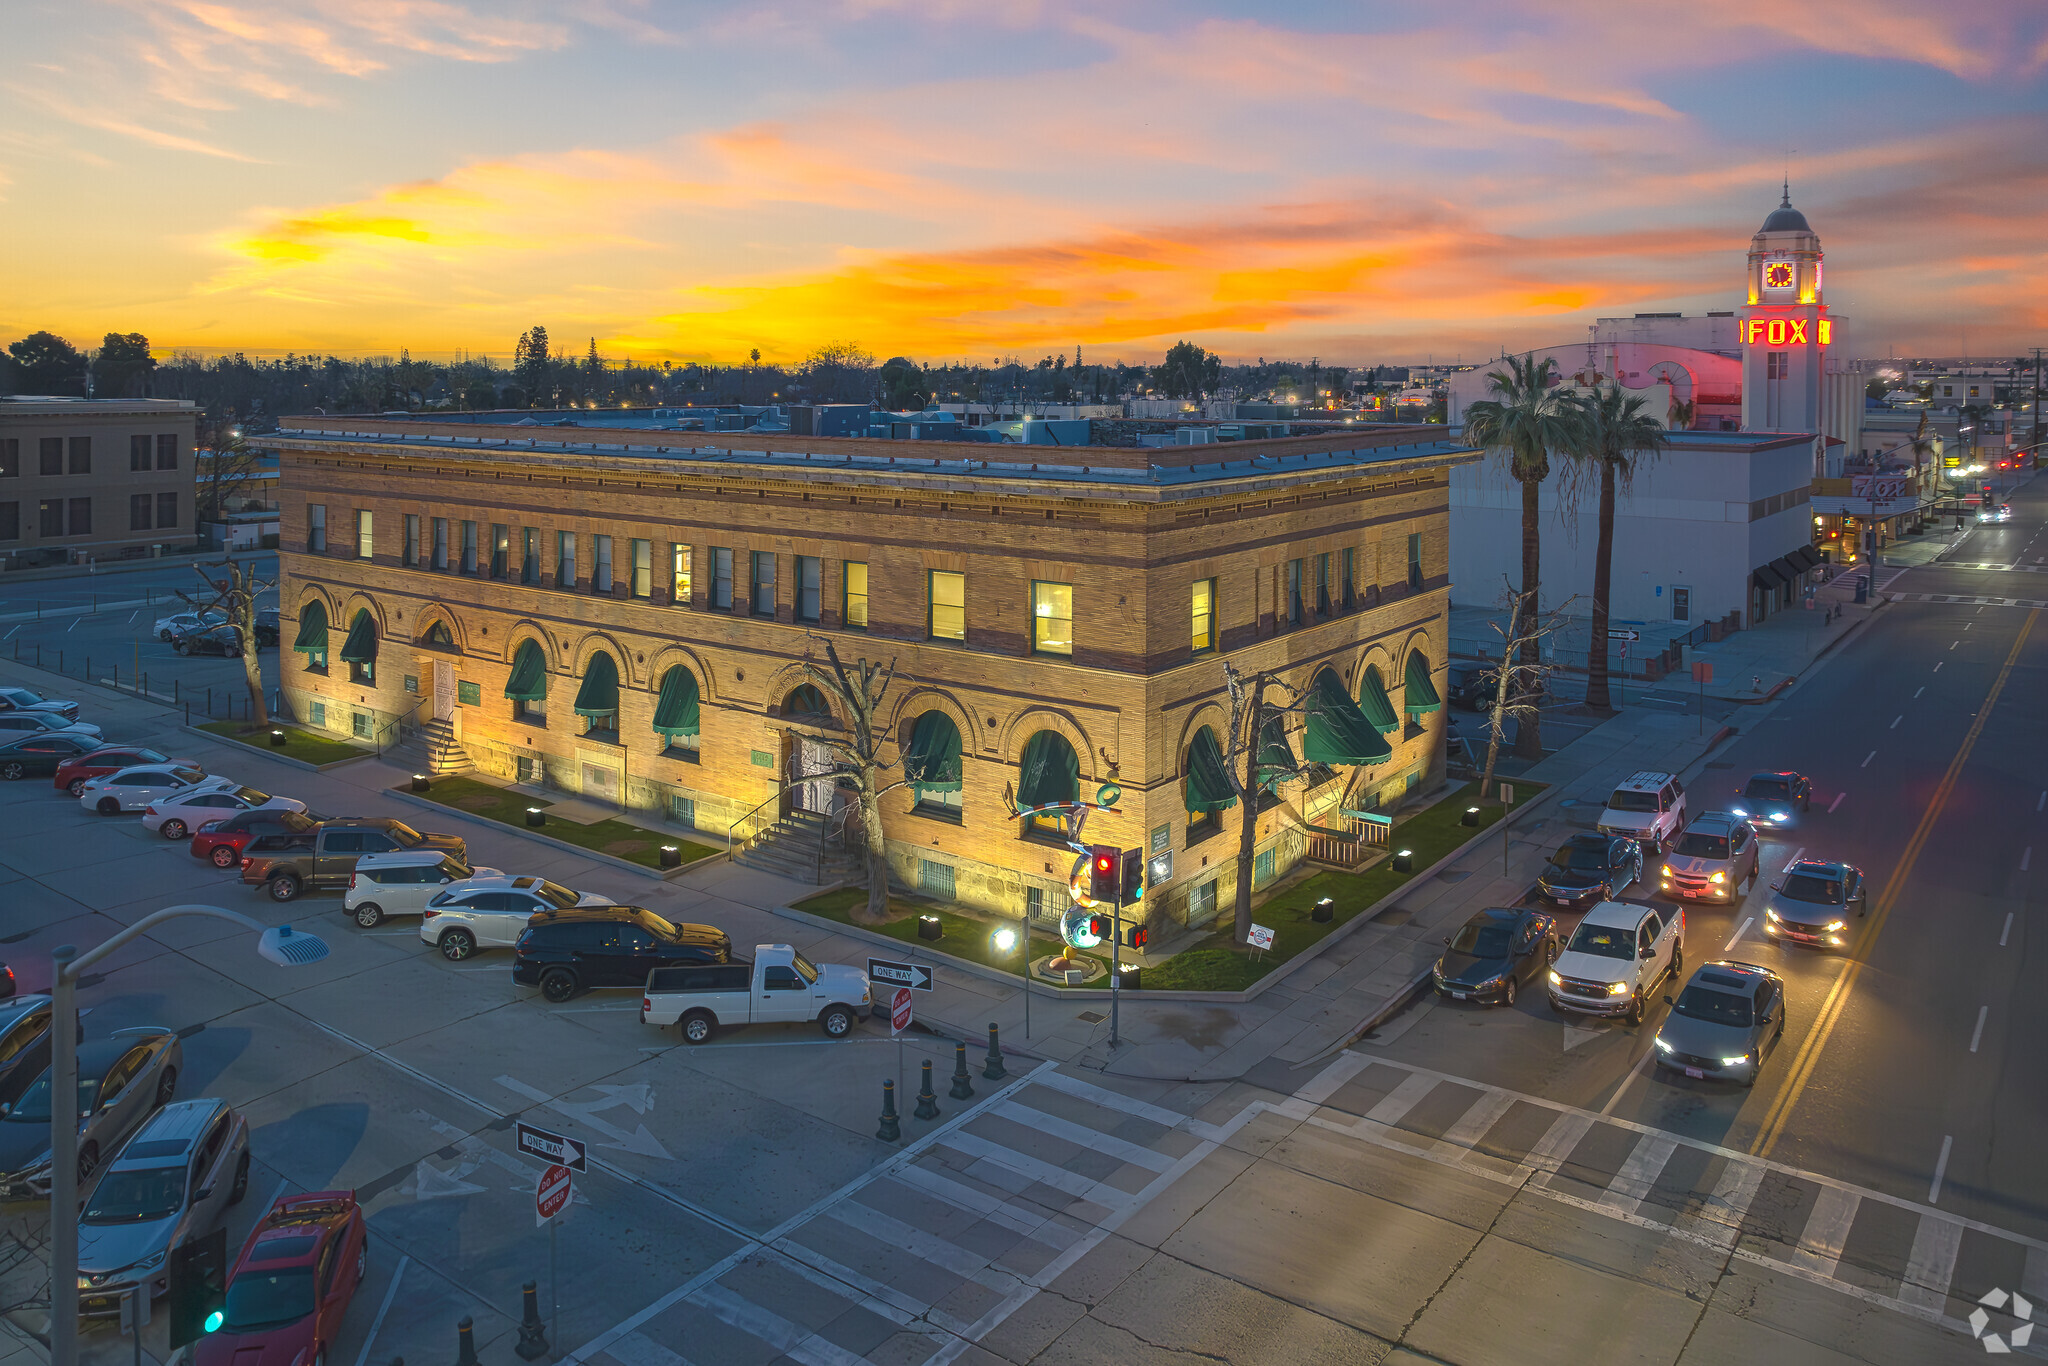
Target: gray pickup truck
780, 986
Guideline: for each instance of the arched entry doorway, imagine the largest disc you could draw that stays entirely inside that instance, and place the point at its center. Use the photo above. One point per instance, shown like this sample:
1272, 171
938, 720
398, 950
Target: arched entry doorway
807, 764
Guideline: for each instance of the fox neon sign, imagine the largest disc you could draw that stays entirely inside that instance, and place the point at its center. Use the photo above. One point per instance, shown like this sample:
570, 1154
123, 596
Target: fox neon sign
1785, 331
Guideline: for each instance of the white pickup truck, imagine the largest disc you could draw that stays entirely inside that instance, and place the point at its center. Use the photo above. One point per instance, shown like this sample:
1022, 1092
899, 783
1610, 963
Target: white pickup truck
1616, 958
780, 986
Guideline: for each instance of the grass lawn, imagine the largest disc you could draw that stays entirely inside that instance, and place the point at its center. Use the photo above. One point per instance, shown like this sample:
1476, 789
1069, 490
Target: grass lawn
965, 936
616, 838
302, 745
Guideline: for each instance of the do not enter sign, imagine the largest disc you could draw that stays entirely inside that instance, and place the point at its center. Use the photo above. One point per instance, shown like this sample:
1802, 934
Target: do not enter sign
899, 1011
551, 1193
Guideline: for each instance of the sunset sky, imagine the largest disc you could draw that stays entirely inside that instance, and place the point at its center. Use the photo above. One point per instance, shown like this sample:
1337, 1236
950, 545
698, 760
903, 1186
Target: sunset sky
945, 179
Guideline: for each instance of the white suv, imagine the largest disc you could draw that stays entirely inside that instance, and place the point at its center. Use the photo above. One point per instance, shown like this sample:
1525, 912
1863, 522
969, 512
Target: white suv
490, 911
401, 883
1648, 808
1616, 958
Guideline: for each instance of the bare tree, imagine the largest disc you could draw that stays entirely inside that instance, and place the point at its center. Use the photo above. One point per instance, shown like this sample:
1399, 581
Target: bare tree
226, 463
1521, 674
1253, 769
857, 748
234, 597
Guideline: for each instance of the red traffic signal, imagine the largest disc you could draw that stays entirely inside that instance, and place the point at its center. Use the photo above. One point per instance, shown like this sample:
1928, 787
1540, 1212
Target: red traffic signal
1099, 926
1105, 877
1135, 936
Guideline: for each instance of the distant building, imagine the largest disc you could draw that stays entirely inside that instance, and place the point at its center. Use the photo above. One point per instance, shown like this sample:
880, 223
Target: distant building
97, 479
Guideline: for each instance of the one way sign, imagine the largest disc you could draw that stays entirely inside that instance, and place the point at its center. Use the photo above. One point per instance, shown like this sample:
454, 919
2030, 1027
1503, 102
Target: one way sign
554, 1149
916, 976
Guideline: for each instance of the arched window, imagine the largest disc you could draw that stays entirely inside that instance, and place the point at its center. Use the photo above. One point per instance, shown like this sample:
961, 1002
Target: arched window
597, 700
528, 686
1420, 696
806, 702
677, 714
933, 766
439, 636
1337, 731
1206, 791
1047, 771
359, 651
312, 640
1374, 702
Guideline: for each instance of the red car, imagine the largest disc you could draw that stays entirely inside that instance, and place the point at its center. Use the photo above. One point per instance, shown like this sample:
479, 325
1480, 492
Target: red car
221, 842
292, 1284
73, 774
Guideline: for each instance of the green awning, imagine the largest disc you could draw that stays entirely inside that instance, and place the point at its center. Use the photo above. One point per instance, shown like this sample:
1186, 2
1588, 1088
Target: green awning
1208, 784
676, 711
1374, 702
599, 695
529, 681
1049, 770
361, 645
1338, 732
1276, 756
1422, 695
931, 762
312, 629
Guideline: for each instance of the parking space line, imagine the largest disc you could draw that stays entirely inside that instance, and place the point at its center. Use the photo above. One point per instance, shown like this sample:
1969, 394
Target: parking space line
390, 1294
1867, 758
2006, 931
1940, 1166
1836, 802
1735, 938
1797, 855
1977, 1034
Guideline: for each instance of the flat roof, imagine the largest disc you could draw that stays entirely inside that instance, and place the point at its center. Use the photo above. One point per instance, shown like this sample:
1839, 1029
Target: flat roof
13, 405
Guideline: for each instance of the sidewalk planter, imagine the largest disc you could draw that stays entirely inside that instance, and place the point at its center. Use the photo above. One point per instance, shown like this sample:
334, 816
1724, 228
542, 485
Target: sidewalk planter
628, 846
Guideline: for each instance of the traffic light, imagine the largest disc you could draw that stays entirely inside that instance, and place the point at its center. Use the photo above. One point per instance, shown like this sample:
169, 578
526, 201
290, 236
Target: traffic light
198, 1275
1105, 877
1131, 881
1135, 936
1100, 926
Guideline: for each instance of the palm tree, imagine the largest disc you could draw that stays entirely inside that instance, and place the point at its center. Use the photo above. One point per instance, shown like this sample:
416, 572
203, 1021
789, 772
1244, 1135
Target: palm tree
1531, 417
1618, 431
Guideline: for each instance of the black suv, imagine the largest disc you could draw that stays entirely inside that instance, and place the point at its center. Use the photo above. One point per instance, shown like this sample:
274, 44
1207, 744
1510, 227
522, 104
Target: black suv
562, 952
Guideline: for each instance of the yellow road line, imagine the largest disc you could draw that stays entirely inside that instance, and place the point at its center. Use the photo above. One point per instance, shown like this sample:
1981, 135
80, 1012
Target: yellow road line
1837, 1001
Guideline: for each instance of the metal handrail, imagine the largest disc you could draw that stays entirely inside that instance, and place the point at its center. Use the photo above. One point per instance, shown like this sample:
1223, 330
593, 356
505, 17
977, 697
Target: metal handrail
730, 851
397, 723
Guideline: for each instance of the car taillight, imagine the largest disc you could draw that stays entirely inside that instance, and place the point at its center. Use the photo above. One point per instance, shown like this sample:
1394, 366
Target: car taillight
351, 882
149, 810
429, 913
646, 1004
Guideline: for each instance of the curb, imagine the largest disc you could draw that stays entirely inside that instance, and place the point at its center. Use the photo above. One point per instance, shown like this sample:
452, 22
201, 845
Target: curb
659, 876
275, 757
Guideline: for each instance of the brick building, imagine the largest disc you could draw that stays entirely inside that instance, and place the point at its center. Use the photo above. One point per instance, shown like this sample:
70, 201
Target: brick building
99, 478
620, 618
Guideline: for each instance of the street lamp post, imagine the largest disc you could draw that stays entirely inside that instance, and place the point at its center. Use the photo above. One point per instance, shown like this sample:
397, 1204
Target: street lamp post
281, 945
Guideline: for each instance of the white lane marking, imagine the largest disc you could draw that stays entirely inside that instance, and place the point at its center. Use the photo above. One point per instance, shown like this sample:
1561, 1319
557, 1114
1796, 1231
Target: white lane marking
1633, 1073
1917, 691
2005, 933
73, 626
1867, 758
1977, 1034
397, 1275
1954, 643
1747, 921
1940, 1166
2026, 857
1937, 666
1968, 624
1796, 856
1836, 802
1895, 721
10, 631
133, 615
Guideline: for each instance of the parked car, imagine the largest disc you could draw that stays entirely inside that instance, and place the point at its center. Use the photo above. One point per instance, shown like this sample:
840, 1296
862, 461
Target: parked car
563, 952
1473, 689
1716, 859
24, 699
15, 724
122, 1080
1616, 958
1729, 1018
223, 639
266, 627
133, 789
780, 986
1590, 868
401, 883
1810, 904
492, 911
292, 1284
167, 1185
1493, 953
1772, 798
1647, 807
105, 759
174, 816
24, 1035
323, 859
34, 755
168, 627
220, 842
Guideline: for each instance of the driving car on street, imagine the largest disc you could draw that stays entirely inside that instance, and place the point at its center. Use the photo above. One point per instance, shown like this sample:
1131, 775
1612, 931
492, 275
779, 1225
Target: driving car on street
133, 789
401, 882
15, 724
1997, 512
174, 816
563, 952
1616, 958
291, 1286
1728, 1019
1716, 859
24, 699
1493, 953
1810, 904
221, 842
168, 627
1648, 807
491, 911
1773, 798
168, 1184
33, 755
1590, 868
105, 759
122, 1080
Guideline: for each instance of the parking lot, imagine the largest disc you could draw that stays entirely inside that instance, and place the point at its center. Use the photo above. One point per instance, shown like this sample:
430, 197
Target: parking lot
390, 1071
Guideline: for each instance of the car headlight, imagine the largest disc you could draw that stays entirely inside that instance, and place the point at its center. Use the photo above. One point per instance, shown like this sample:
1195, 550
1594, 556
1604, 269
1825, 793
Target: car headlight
1718, 878
1771, 914
1837, 925
1736, 1061
149, 1263
1738, 811
1659, 1041
1556, 978
1617, 989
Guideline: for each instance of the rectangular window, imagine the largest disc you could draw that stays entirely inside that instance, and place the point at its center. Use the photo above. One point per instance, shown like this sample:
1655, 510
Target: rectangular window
81, 455
528, 768
1415, 561
138, 453
1052, 618
946, 605
501, 548
138, 512
316, 527
81, 517
360, 723
409, 554
565, 559
319, 710
365, 534
1777, 364
10, 457
679, 575
166, 511
935, 879
50, 517
529, 554
643, 569
721, 578
1202, 902
469, 547
1204, 613
10, 521
1350, 576
440, 543
50, 455
810, 576
1262, 867
854, 587
601, 566
167, 450
682, 810
1323, 585
764, 583
1294, 592
469, 694
1035, 907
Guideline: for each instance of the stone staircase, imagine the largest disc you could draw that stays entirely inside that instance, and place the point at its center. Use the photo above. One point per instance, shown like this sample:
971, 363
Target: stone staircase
435, 742
791, 848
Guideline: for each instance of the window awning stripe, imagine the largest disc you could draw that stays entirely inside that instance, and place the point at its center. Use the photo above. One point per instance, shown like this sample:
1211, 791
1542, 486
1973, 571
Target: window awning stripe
1208, 782
529, 680
931, 762
1338, 732
361, 645
1048, 771
599, 693
679, 710
1374, 702
1420, 697
312, 628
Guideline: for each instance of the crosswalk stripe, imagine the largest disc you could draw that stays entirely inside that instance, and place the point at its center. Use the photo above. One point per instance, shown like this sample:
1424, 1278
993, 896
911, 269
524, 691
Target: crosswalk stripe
1325, 1083
944, 1188
971, 1266
1059, 1178
1931, 1265
1111, 1101
637, 1349
1639, 1173
1400, 1100
792, 1341
1081, 1135
1827, 1228
1467, 1132
907, 1308
1556, 1144
1721, 1220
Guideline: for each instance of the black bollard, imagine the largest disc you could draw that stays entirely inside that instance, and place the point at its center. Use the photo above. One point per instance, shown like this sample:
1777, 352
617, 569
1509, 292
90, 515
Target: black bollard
992, 1069
533, 1335
927, 1099
891, 1129
465, 1342
963, 1089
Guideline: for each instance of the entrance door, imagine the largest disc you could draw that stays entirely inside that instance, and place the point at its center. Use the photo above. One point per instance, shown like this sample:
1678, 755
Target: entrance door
810, 765
444, 690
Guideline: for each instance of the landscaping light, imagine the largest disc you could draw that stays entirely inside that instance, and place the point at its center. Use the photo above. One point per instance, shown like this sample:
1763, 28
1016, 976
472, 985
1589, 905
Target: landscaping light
1471, 816
928, 927
419, 782
534, 816
1404, 861
277, 739
1323, 911
671, 856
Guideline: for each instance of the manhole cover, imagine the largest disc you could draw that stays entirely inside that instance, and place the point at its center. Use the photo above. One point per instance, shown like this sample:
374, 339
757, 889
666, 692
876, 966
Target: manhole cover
1093, 1017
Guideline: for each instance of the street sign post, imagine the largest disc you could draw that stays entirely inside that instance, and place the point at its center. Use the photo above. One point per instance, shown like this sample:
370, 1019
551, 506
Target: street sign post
552, 1148
550, 1196
1624, 635
916, 976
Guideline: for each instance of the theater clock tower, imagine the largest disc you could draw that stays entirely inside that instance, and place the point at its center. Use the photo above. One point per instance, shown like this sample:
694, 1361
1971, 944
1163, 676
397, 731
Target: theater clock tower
1785, 327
